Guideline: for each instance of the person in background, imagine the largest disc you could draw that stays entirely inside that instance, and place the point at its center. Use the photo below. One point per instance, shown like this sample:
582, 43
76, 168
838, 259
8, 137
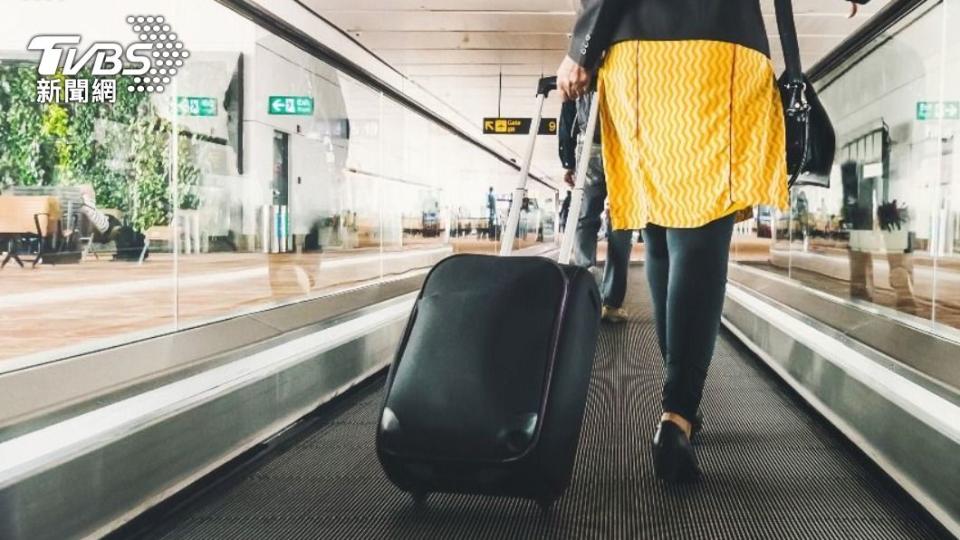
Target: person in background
491, 213
693, 134
105, 225
522, 224
565, 210
613, 285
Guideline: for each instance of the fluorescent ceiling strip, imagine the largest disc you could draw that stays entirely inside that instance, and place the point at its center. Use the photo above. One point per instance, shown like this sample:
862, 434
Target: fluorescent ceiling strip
42, 449
932, 409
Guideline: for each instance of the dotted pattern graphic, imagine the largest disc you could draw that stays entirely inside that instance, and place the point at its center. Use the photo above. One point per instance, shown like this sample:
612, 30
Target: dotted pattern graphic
168, 53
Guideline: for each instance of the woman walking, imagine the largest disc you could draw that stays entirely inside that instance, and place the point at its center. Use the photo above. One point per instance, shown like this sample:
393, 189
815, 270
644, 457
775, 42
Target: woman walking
693, 133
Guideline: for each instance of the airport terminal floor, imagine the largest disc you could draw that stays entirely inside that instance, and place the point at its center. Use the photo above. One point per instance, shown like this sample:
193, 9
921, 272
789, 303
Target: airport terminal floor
224, 225
773, 468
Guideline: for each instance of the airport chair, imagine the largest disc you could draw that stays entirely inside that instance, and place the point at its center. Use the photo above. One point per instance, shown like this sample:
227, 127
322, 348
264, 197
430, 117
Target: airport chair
27, 218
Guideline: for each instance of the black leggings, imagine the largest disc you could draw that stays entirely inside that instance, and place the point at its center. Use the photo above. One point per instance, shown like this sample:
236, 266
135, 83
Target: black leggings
687, 272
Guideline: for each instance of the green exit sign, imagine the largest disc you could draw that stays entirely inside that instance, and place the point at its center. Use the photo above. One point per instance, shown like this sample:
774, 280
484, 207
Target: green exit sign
196, 106
290, 105
935, 110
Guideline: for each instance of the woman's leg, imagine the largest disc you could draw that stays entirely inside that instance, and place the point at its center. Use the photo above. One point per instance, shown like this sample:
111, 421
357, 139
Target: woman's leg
594, 193
657, 263
695, 292
613, 287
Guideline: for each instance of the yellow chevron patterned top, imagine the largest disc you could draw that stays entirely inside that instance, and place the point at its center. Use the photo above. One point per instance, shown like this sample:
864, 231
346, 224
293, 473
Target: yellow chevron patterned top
692, 131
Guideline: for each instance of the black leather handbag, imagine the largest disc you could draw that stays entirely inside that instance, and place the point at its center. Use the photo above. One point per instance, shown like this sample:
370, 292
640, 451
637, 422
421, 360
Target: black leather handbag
811, 140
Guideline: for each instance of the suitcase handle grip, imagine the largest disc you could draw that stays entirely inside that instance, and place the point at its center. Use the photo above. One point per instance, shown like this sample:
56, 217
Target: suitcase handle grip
546, 85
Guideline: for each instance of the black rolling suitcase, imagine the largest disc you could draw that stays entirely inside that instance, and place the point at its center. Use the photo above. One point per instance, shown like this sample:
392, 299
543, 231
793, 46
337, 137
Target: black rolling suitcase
487, 392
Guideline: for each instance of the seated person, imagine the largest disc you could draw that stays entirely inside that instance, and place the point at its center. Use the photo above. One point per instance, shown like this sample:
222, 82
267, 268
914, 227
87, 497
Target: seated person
106, 227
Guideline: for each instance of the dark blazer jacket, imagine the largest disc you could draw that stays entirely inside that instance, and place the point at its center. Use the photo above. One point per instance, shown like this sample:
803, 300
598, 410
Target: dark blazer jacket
574, 116
567, 135
602, 23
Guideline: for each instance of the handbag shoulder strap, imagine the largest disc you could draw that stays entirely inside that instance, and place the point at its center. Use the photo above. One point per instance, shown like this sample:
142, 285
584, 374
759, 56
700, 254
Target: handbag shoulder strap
788, 40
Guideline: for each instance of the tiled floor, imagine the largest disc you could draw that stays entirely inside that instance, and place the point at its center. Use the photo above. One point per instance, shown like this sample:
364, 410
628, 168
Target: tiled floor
52, 311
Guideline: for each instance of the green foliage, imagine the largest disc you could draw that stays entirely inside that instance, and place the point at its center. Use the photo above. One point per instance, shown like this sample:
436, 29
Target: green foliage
25, 152
122, 149
99, 160
150, 161
55, 128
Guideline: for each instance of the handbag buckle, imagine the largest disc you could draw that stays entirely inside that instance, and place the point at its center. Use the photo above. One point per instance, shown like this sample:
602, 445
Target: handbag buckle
799, 107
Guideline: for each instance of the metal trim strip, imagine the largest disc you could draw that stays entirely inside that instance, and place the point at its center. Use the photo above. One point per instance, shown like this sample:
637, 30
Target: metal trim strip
885, 383
45, 448
932, 328
925, 405
53, 356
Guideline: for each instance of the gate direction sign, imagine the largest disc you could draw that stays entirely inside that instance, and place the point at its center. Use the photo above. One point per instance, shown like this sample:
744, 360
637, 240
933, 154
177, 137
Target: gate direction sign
935, 110
518, 126
506, 126
196, 106
548, 126
290, 105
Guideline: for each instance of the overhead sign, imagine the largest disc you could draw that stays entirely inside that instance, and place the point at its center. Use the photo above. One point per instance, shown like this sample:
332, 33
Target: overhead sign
196, 106
290, 105
935, 110
548, 126
335, 127
506, 126
518, 126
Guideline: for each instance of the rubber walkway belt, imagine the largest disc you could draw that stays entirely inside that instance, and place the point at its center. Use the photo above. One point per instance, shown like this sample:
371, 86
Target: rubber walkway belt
772, 469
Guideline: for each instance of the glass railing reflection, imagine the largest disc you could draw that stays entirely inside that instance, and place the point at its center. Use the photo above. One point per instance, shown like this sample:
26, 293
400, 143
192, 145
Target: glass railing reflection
221, 197
885, 230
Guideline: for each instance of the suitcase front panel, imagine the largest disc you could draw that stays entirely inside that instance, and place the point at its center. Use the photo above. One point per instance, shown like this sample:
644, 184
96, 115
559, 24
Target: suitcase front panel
469, 381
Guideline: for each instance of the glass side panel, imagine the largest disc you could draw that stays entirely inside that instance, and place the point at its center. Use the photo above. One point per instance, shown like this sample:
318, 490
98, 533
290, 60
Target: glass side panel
235, 172
882, 229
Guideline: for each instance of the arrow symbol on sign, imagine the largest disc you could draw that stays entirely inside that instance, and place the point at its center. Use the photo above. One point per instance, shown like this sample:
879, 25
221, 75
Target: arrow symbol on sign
488, 125
950, 110
277, 105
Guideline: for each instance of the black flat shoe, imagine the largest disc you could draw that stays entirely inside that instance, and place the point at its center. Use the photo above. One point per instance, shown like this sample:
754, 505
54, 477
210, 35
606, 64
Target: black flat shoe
697, 425
673, 458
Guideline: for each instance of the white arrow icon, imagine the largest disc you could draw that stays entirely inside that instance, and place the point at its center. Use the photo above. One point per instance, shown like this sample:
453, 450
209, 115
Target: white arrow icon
277, 105
950, 110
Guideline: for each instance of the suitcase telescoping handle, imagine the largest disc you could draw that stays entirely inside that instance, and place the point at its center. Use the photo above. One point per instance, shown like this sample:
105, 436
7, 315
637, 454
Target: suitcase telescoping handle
544, 87
576, 198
